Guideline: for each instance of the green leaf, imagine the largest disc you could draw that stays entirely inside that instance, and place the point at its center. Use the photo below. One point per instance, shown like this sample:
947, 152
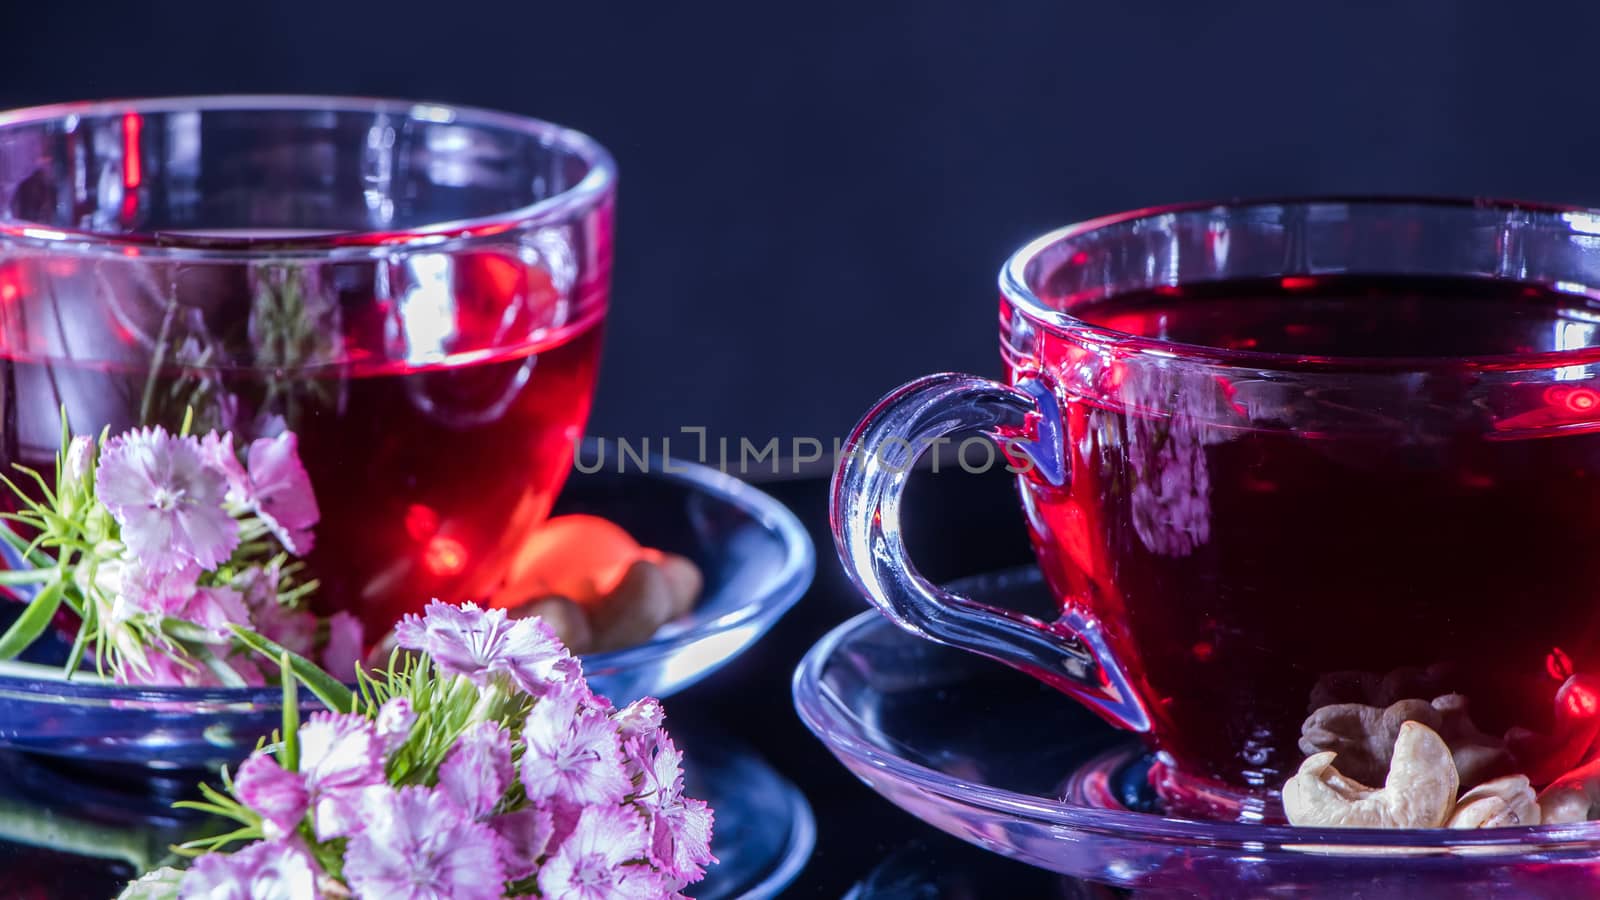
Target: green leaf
328, 689
21, 495
66, 442
26, 548
33, 621
33, 550
217, 842
44, 486
211, 809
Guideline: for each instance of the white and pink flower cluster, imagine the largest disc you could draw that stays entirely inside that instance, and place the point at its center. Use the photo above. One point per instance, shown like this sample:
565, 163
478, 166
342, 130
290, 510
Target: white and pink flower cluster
496, 773
199, 536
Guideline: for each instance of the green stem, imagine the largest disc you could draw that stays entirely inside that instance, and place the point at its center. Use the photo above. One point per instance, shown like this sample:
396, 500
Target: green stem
291, 714
157, 362
25, 576
75, 658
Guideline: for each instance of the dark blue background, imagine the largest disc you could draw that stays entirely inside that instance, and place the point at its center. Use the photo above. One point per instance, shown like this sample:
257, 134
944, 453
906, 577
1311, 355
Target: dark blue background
816, 196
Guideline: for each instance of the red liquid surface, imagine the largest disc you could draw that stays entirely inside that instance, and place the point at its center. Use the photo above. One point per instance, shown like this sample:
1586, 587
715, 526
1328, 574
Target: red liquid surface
437, 420
1258, 546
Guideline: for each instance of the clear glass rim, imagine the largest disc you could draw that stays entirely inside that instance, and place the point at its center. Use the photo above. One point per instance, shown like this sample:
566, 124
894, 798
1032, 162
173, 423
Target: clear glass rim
1014, 287
828, 717
596, 183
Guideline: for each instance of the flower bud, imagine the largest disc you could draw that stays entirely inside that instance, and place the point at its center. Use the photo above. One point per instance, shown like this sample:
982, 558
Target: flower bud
395, 719
80, 460
97, 527
76, 482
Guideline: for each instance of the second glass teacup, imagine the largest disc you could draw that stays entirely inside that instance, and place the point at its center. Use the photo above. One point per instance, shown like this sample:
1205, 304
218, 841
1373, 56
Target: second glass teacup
1285, 462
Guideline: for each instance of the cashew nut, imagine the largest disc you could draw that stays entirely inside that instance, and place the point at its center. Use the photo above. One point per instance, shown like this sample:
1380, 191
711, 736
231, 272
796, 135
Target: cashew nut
1371, 689
1419, 792
1364, 736
641, 603
1506, 801
565, 617
1479, 756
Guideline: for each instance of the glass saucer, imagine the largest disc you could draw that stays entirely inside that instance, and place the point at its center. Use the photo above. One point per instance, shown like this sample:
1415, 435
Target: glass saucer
755, 555
993, 757
97, 826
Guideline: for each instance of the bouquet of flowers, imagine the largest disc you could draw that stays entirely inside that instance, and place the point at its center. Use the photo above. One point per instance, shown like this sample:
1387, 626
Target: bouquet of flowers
161, 545
476, 763
478, 767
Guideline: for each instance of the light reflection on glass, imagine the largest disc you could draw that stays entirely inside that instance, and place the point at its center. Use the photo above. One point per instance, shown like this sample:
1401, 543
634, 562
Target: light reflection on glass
1573, 336
707, 654
427, 309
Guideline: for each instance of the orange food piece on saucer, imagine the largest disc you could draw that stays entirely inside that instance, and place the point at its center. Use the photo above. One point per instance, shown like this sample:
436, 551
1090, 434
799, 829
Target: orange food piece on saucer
581, 557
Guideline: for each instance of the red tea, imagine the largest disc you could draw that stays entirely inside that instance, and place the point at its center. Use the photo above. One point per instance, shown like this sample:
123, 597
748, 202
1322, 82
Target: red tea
437, 402
1256, 549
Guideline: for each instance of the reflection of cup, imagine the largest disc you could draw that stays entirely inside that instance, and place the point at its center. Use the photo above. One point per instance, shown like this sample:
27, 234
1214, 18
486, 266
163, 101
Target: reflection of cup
416, 290
1279, 457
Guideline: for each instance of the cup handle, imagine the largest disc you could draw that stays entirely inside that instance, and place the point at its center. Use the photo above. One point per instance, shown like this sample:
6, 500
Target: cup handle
1069, 654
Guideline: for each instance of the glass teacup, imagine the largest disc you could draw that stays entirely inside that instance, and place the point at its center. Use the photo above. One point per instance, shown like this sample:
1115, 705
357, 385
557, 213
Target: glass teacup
415, 290
1283, 462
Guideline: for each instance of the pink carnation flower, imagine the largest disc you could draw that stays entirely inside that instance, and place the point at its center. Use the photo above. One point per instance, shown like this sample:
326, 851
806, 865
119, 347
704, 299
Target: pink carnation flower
167, 500
142, 590
680, 826
215, 609
217, 450
475, 775
641, 718
265, 870
477, 770
176, 593
340, 757
573, 754
278, 796
596, 861
524, 836
482, 644
281, 491
638, 727
417, 845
